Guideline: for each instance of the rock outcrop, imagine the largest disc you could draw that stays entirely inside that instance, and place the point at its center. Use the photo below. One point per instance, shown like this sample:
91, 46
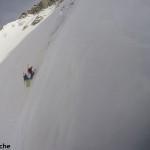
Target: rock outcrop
37, 20
38, 7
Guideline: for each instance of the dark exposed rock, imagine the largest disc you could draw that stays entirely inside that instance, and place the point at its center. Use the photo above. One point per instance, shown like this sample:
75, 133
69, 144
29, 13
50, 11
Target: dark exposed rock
35, 9
38, 7
37, 20
25, 27
23, 15
51, 2
46, 3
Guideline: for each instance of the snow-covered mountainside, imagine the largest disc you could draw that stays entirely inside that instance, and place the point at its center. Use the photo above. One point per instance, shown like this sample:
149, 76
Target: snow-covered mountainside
13, 33
91, 88
9, 10
19, 47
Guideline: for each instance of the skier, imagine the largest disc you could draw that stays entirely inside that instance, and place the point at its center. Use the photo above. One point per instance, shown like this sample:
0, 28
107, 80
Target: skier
30, 72
28, 76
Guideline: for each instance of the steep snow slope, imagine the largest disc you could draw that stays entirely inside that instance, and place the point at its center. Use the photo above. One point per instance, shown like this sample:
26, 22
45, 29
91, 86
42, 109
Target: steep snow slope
19, 48
92, 91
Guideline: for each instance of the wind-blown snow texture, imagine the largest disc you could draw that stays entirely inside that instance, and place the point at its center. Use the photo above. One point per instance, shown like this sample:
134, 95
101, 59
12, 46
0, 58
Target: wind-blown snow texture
92, 86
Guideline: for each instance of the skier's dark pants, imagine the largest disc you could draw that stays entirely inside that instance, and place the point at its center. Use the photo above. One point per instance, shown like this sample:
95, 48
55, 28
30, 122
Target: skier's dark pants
25, 78
32, 74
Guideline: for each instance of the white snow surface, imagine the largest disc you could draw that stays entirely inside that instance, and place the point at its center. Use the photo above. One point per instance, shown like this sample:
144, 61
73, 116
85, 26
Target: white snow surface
91, 89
